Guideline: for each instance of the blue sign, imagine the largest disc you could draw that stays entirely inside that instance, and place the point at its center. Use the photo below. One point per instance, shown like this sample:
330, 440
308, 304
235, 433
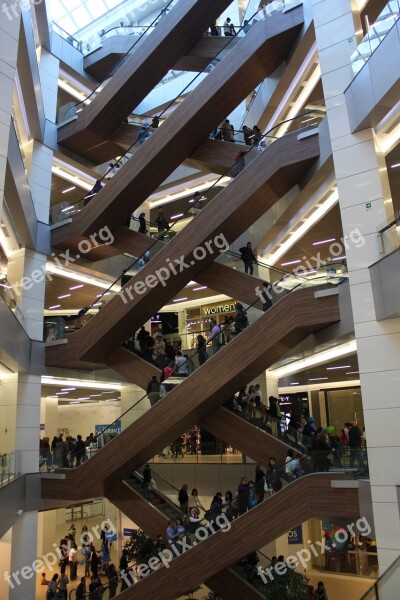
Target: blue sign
295, 536
129, 532
113, 430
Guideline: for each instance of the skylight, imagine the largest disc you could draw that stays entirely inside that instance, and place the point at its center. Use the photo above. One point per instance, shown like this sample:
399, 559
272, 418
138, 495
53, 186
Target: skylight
73, 15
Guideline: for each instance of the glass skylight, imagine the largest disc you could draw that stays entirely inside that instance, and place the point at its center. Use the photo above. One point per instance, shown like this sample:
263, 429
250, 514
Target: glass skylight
74, 15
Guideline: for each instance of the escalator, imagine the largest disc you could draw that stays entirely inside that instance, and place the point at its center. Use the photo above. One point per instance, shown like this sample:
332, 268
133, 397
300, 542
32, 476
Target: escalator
254, 57
145, 67
249, 196
311, 496
145, 431
102, 61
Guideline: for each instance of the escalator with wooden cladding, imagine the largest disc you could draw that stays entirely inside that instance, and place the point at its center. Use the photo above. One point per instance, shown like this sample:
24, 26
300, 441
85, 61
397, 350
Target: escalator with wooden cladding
147, 430
249, 195
323, 496
254, 57
139, 74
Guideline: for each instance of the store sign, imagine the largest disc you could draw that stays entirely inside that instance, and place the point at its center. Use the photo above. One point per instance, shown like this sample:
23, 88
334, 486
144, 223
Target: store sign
295, 536
114, 430
129, 532
220, 308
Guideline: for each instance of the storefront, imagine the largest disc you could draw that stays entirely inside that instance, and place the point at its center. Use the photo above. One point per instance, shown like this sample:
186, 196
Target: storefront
198, 319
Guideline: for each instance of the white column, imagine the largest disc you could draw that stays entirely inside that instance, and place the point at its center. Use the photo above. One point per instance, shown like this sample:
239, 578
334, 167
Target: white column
26, 273
357, 164
49, 416
20, 407
23, 555
9, 39
40, 160
49, 70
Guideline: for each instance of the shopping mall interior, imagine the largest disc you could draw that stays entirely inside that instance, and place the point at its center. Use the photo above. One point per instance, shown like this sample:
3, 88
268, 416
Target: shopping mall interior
199, 397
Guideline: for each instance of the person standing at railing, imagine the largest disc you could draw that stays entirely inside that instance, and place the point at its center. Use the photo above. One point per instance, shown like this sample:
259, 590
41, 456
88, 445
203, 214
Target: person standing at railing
162, 224
155, 122
227, 131
215, 336
214, 30
257, 135
202, 349
142, 223
248, 258
229, 29
248, 135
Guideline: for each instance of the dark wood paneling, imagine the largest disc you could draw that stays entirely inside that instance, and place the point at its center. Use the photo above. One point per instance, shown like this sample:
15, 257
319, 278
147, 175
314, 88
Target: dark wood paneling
230, 586
132, 367
307, 497
231, 282
140, 73
101, 62
256, 55
249, 196
252, 441
254, 350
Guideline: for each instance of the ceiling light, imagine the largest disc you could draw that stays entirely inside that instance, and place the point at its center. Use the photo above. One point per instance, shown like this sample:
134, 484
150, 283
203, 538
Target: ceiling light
295, 383
68, 389
177, 216
84, 398
72, 178
72, 274
339, 258
324, 242
61, 393
300, 231
79, 383
65, 296
96, 395
395, 166
107, 392
76, 287
180, 299
55, 306
291, 262
317, 378
352, 373
69, 189
203, 287
341, 367
74, 402
316, 359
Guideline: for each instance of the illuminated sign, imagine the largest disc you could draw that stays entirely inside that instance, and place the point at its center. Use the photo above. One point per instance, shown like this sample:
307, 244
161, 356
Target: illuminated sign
220, 308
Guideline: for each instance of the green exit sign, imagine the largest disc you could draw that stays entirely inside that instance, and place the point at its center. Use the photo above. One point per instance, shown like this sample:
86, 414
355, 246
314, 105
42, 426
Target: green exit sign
368, 205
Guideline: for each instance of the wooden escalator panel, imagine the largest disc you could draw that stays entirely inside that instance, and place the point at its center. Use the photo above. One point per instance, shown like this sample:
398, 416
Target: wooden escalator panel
249, 196
256, 55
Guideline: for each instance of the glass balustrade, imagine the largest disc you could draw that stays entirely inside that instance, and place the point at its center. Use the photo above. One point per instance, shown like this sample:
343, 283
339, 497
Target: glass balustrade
389, 235
10, 467
375, 35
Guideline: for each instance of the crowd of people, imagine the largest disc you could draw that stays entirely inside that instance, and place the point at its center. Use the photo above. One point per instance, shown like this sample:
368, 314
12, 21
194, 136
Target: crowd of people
64, 453
95, 563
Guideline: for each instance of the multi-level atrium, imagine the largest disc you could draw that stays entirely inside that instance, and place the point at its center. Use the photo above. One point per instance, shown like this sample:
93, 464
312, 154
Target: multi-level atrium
199, 270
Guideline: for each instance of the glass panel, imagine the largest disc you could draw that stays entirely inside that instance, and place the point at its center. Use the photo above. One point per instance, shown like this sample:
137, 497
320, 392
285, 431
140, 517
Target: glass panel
376, 34
10, 467
174, 373
389, 235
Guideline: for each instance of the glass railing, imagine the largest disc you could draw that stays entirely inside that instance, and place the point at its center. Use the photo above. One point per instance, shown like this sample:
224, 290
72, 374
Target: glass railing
376, 34
222, 514
183, 369
161, 500
10, 467
308, 120
389, 235
135, 146
387, 586
78, 44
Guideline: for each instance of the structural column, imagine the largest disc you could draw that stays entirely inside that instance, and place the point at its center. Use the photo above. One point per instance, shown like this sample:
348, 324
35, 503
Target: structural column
364, 204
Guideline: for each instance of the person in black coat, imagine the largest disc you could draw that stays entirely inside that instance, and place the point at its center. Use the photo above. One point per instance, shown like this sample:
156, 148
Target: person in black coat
248, 258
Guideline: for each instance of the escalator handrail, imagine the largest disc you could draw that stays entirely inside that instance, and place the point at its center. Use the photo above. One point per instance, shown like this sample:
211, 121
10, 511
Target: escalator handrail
164, 232
169, 105
112, 425
119, 63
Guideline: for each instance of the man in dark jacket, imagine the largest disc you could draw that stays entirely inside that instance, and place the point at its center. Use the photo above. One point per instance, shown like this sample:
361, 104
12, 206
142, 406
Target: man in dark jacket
183, 498
248, 258
153, 390
273, 476
355, 445
79, 450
